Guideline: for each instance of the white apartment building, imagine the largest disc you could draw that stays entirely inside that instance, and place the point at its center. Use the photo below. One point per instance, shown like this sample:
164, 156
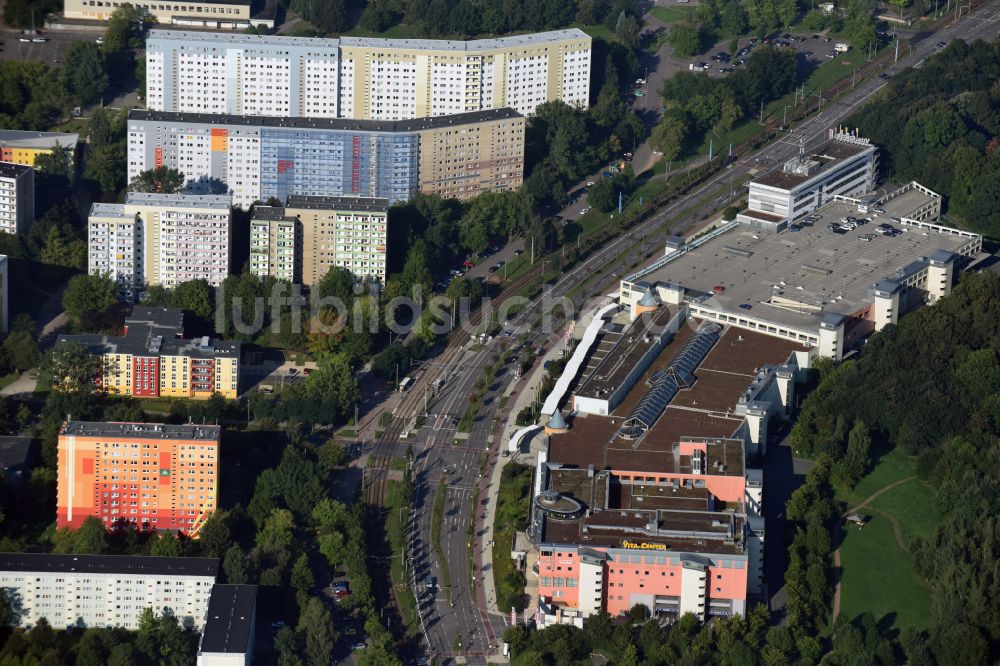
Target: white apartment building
363, 78
846, 165
275, 244
163, 239
107, 590
17, 197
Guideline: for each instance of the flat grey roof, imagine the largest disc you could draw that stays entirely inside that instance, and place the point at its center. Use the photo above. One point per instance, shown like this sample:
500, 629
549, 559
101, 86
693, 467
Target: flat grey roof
23, 139
532, 39
14, 451
334, 124
13, 170
829, 155
229, 622
146, 430
367, 204
109, 564
208, 201
814, 271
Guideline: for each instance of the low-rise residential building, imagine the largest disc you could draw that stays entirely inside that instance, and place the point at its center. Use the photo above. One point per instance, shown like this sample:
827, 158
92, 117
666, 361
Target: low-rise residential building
228, 638
161, 239
156, 476
71, 591
258, 158
23, 147
319, 233
17, 197
16, 459
217, 14
153, 359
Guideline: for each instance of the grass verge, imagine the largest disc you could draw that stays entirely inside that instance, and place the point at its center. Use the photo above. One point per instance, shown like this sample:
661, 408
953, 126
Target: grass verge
437, 517
398, 513
513, 498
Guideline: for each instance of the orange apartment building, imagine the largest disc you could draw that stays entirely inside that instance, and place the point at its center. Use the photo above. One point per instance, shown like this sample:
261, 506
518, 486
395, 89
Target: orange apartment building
154, 475
153, 359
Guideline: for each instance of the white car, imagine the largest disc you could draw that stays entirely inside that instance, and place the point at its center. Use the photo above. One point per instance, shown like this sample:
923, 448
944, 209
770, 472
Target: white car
590, 183
585, 210
40, 40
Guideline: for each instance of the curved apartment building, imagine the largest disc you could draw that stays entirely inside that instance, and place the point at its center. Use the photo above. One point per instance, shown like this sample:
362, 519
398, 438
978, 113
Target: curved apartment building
363, 78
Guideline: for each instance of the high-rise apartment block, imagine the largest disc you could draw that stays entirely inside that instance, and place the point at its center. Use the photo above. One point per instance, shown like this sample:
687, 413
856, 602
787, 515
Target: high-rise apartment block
275, 244
107, 590
22, 147
153, 359
163, 239
153, 475
262, 157
17, 197
364, 78
311, 235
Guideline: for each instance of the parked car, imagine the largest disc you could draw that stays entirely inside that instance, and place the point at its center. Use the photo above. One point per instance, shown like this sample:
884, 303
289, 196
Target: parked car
358, 646
794, 227
39, 40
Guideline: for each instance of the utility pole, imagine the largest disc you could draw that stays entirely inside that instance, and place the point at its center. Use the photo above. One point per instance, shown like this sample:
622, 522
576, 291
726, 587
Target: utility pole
896, 59
532, 249
784, 115
710, 150
762, 113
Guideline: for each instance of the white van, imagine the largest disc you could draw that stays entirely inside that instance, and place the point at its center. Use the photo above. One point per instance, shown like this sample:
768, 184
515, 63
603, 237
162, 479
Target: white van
841, 47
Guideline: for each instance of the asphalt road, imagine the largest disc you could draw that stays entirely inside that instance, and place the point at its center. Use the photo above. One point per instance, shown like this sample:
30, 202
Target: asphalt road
463, 627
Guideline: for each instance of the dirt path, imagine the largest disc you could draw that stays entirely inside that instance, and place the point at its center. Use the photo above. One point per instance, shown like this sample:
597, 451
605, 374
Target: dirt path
897, 532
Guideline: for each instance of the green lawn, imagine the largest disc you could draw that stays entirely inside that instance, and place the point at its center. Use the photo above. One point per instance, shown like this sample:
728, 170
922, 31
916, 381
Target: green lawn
912, 504
670, 14
891, 467
879, 577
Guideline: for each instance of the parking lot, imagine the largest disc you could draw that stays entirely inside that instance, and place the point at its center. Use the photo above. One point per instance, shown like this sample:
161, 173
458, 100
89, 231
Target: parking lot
813, 49
15, 45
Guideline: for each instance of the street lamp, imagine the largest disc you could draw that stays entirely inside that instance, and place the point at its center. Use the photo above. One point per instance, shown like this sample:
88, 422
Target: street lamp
784, 115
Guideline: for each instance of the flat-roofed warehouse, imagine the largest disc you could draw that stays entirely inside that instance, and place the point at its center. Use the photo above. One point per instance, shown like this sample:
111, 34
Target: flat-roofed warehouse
812, 284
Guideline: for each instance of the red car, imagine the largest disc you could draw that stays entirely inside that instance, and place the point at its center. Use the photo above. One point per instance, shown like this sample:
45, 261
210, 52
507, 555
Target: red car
468, 264
718, 289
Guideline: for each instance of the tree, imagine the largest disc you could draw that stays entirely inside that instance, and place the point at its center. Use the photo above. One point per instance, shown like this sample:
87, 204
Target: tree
124, 29
57, 162
195, 296
669, 136
21, 349
72, 367
601, 195
89, 294
83, 72
860, 27
855, 463
166, 545
326, 15
331, 454
685, 39
788, 11
161, 180
215, 536
316, 626
235, 565
302, 578
88, 539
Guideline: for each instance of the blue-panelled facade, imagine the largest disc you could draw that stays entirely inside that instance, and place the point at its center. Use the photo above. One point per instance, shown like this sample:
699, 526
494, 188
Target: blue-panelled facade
335, 163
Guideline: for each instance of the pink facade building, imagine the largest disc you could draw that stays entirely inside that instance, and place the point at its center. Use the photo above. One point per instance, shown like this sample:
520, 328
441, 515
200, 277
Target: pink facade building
648, 493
